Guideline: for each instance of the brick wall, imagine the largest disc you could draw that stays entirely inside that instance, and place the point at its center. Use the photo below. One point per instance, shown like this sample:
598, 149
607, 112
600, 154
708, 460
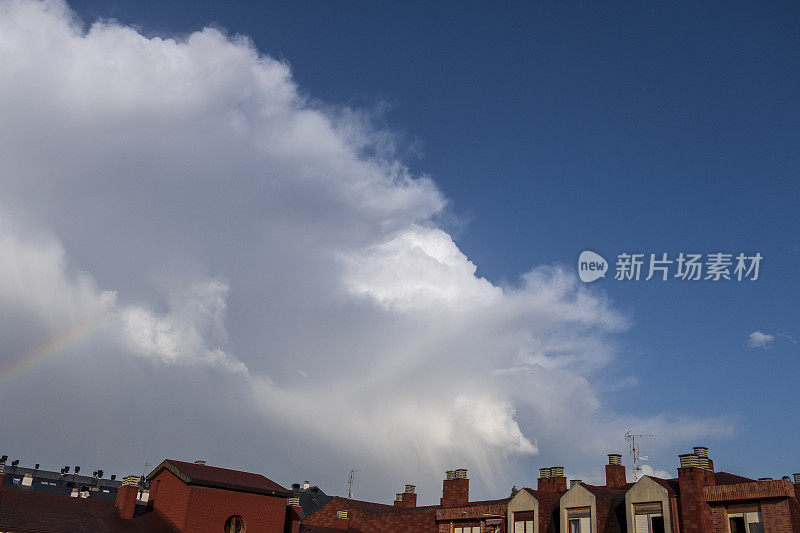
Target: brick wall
776, 515
172, 498
195, 509
695, 513
455, 492
615, 476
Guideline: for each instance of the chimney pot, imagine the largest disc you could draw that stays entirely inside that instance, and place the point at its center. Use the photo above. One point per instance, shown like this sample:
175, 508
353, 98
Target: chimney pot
701, 451
544, 473
688, 460
614, 459
556, 471
450, 474
461, 473
306, 484
796, 477
411, 489
295, 486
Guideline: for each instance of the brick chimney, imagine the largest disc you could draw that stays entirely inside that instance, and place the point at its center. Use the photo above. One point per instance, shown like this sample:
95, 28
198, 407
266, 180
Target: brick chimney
2, 472
407, 498
455, 489
552, 479
692, 480
126, 497
615, 472
796, 477
293, 515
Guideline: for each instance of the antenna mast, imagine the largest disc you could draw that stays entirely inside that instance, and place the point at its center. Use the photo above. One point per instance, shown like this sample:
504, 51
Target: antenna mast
637, 458
350, 482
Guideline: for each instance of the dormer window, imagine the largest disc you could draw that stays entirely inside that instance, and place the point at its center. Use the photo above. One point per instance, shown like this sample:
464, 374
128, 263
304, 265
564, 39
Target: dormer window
234, 524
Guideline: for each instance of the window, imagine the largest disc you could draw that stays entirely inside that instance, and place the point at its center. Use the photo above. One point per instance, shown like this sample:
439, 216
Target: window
523, 522
648, 518
746, 521
467, 529
579, 520
234, 524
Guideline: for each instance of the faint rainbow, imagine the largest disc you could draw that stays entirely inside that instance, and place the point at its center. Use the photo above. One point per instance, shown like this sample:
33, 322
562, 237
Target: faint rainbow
50, 348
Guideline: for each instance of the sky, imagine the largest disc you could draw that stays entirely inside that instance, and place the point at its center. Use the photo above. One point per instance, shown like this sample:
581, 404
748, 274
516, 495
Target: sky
302, 238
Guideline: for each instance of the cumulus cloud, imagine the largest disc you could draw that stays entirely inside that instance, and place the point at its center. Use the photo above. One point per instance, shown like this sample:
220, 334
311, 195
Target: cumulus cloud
758, 339
648, 470
275, 291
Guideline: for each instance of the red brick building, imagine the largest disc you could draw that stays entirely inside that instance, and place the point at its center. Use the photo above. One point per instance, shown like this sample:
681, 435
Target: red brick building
184, 498
454, 514
699, 500
196, 498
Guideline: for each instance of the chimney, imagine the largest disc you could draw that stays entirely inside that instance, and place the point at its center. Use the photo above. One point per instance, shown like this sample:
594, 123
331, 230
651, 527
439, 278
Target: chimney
126, 497
455, 489
692, 477
408, 498
294, 514
552, 479
615, 472
3, 472
306, 485
295, 487
200, 462
796, 477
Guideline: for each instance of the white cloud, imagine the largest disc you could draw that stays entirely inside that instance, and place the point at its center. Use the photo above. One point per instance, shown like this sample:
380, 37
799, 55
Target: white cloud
648, 470
758, 339
231, 232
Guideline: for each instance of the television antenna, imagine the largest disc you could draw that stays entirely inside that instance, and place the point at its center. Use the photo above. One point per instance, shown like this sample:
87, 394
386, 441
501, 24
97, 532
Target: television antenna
350, 481
637, 458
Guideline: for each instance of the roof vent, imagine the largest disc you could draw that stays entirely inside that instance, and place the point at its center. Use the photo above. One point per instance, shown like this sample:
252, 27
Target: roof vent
200, 462
796, 478
614, 459
556, 471
574, 482
451, 474
461, 473
688, 460
544, 473
411, 489
295, 486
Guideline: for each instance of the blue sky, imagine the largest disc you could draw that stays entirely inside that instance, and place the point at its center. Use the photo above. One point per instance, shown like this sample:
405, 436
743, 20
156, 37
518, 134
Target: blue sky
553, 129
615, 128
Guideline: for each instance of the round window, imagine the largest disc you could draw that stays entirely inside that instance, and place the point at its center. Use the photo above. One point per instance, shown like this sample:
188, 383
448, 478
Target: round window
234, 524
